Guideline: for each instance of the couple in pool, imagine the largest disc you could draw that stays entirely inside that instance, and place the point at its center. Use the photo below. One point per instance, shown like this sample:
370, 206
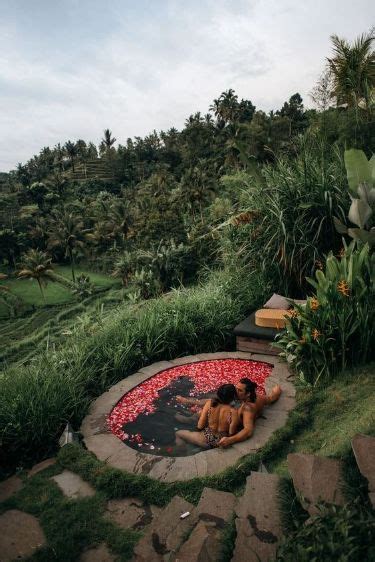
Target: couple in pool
219, 423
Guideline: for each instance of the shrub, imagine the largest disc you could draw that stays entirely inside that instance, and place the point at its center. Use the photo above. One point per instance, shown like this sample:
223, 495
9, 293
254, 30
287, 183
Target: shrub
337, 533
293, 203
336, 329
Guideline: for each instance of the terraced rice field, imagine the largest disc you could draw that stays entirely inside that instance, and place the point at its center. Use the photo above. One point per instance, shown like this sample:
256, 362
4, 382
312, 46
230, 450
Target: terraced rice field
49, 325
22, 338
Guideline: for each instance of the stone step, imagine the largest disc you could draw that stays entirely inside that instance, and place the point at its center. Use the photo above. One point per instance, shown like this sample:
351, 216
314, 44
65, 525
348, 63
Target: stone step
131, 513
215, 507
9, 487
166, 533
21, 535
72, 485
214, 510
258, 521
203, 545
364, 451
316, 479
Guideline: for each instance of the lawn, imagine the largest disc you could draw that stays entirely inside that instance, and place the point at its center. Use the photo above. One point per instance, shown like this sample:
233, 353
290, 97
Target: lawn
342, 409
28, 290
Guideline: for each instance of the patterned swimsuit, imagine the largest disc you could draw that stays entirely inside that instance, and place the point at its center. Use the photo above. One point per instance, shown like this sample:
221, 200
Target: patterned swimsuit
212, 439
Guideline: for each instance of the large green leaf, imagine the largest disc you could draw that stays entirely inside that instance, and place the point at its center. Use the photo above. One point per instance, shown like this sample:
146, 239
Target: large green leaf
365, 236
367, 193
359, 212
372, 168
357, 168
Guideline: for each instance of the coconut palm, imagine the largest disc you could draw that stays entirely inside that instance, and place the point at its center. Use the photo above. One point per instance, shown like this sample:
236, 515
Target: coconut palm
124, 267
65, 231
108, 140
353, 70
37, 265
72, 152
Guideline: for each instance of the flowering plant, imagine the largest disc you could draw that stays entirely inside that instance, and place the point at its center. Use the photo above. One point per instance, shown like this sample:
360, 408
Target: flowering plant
336, 327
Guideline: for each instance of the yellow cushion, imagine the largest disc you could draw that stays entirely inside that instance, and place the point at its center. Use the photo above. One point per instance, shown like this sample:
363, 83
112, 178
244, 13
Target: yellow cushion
271, 317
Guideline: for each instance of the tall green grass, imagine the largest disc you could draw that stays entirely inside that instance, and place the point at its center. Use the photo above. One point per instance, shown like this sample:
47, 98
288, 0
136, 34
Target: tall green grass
292, 227
37, 400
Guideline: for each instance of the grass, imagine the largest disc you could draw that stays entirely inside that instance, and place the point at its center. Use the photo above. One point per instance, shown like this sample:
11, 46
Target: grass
55, 294
49, 327
70, 526
340, 410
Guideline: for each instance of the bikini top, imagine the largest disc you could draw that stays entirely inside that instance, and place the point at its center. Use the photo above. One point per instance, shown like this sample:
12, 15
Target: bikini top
229, 419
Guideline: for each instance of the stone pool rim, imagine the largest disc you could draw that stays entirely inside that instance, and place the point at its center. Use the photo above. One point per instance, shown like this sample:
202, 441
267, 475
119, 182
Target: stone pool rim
110, 449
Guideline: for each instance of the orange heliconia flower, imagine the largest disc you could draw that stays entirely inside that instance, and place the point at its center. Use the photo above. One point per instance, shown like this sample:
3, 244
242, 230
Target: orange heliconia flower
343, 288
315, 334
293, 313
314, 303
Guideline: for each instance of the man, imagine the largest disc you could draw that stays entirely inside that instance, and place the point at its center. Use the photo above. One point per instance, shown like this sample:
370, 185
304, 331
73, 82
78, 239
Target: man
250, 408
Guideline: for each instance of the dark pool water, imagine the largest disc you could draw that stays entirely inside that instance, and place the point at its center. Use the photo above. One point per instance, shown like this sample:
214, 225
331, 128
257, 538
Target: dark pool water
158, 428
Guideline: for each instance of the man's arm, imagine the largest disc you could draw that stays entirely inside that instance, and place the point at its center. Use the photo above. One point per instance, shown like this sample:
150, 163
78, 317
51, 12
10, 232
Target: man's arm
245, 433
273, 395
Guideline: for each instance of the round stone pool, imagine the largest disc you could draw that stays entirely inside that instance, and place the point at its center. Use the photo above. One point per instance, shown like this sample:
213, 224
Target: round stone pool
147, 417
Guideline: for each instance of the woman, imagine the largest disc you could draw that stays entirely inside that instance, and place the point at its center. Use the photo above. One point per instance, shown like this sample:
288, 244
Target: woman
218, 419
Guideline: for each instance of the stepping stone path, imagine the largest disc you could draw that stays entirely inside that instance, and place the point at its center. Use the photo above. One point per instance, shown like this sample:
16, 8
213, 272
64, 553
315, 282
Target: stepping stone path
10, 487
41, 466
197, 537
364, 450
72, 485
316, 479
258, 521
198, 534
108, 448
20, 536
131, 513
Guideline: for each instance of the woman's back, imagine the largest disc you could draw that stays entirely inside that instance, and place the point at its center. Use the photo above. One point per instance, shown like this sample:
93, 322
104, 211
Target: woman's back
220, 417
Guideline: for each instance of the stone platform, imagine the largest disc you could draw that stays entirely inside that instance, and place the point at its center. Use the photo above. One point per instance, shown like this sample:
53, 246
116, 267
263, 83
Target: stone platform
108, 448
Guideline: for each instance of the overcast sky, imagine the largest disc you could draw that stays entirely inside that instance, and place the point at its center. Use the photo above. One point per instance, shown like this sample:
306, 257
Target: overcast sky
71, 68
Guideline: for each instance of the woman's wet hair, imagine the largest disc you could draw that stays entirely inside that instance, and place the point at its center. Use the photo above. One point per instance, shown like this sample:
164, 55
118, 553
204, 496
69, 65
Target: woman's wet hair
250, 388
225, 394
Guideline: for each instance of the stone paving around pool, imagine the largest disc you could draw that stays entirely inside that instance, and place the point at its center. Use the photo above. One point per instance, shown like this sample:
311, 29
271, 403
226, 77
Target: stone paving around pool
99, 440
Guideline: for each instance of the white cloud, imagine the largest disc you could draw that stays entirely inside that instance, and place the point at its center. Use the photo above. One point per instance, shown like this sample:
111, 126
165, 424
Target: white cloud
152, 73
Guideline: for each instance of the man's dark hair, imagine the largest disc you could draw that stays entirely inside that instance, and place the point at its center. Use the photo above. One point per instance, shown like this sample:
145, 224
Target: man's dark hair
250, 388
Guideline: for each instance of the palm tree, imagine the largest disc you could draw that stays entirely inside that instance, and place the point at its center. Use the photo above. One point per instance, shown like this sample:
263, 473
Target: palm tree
119, 218
72, 152
225, 108
124, 267
353, 70
37, 265
65, 232
108, 140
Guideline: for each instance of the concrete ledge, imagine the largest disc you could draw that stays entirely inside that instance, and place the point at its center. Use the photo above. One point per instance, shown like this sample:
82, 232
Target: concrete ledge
115, 453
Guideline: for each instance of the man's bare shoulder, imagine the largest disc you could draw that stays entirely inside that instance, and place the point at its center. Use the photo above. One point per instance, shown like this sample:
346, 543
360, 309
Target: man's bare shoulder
248, 408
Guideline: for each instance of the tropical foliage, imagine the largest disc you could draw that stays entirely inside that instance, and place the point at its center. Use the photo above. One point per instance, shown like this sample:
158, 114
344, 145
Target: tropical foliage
361, 179
336, 328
